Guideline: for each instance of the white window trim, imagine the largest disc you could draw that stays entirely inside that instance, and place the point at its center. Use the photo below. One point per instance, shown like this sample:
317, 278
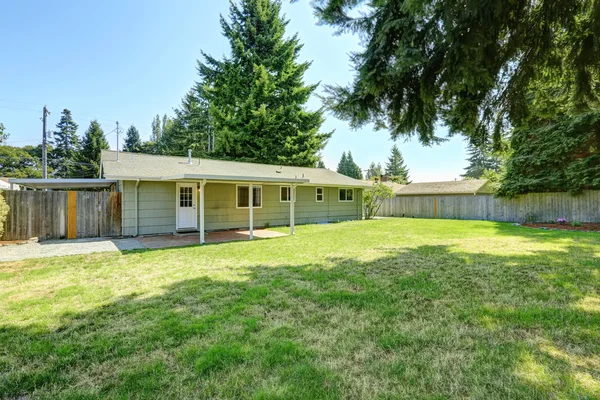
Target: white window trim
346, 201
291, 194
322, 194
248, 186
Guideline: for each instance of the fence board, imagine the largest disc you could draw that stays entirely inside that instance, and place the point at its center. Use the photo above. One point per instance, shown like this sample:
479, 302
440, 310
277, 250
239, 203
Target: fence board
44, 214
541, 207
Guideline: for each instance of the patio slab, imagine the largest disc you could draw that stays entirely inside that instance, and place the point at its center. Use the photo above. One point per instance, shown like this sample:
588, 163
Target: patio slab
164, 241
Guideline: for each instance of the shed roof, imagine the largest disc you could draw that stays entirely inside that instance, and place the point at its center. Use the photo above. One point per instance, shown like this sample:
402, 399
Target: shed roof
152, 167
470, 186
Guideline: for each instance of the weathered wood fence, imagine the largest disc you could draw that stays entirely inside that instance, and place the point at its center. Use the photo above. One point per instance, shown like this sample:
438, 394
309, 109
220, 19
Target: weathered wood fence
59, 215
542, 207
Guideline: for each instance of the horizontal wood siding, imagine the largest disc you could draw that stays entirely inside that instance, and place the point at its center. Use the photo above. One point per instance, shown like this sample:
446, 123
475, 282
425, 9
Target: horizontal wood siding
157, 207
541, 207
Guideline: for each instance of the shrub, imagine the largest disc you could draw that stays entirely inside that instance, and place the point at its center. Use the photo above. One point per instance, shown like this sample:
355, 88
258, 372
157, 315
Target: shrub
575, 223
374, 197
3, 213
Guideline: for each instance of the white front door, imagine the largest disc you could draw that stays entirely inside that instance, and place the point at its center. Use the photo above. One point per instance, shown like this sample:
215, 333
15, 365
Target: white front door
186, 206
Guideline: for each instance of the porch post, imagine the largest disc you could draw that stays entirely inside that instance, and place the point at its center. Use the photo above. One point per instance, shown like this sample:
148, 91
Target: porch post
292, 205
202, 183
251, 209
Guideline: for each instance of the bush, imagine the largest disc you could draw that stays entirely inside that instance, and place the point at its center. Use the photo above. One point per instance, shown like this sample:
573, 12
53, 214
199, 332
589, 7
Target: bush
3, 213
373, 198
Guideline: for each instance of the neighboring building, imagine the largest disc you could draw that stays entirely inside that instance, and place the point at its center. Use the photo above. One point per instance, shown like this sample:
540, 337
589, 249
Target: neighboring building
468, 187
164, 194
5, 185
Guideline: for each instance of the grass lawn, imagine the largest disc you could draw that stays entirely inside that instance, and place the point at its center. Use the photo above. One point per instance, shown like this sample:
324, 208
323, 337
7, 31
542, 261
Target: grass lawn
395, 308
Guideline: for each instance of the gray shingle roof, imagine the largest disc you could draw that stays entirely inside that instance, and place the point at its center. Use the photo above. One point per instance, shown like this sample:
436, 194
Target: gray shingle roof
471, 186
146, 166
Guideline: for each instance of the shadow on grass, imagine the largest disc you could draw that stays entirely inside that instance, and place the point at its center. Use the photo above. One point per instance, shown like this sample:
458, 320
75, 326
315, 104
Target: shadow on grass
428, 322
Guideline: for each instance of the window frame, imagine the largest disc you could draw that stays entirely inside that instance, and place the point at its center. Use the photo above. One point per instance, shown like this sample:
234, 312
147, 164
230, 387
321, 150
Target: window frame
317, 194
237, 196
289, 188
345, 189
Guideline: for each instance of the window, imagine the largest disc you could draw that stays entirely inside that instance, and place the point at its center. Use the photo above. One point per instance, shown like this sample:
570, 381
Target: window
185, 196
320, 194
242, 196
346, 195
285, 194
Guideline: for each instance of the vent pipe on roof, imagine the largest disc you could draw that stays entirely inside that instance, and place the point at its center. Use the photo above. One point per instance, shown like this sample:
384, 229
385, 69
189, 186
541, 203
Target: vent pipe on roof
190, 156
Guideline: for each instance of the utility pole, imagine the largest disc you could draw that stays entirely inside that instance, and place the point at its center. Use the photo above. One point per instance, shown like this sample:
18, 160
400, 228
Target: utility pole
44, 145
117, 141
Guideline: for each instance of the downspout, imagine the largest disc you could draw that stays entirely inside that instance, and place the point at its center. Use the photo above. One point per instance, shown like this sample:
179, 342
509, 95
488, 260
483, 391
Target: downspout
137, 225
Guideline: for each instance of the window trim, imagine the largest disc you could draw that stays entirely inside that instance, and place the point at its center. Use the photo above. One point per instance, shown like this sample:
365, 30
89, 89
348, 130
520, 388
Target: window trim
346, 201
317, 194
237, 193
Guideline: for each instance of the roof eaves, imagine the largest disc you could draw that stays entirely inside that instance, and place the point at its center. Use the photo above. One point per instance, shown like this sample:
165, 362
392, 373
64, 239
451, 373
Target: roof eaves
234, 178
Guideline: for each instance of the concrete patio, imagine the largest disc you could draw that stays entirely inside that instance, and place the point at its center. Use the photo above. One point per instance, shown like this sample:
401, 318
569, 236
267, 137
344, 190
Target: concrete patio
56, 248
164, 241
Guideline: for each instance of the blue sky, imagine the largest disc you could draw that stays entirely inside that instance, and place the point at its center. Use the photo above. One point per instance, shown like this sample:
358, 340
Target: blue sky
129, 60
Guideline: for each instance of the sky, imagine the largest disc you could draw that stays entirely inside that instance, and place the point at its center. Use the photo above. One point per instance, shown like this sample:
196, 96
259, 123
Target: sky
127, 61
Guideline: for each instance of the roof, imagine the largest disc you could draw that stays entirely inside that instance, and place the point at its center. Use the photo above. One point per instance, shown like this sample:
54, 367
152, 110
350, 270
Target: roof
392, 185
133, 166
470, 186
4, 185
64, 183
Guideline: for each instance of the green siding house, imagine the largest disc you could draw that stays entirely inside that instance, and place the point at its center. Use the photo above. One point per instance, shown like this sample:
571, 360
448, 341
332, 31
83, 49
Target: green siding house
164, 194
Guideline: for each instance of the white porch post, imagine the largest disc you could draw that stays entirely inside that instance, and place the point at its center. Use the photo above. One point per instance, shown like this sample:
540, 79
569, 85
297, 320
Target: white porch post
292, 213
251, 209
202, 210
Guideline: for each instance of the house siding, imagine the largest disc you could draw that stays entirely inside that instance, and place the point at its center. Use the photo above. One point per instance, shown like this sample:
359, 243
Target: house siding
157, 207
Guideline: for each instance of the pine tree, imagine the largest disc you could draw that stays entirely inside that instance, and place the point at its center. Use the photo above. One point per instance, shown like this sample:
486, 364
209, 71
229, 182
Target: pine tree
342, 167
133, 144
93, 143
353, 168
256, 95
191, 127
395, 168
156, 130
480, 161
320, 163
63, 157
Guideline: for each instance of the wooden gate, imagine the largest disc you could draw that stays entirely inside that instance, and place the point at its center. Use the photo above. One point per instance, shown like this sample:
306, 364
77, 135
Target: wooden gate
59, 215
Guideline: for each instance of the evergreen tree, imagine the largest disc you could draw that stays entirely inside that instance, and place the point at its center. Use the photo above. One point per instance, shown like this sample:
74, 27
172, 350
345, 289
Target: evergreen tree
374, 172
191, 127
156, 130
256, 95
63, 157
342, 167
320, 164
395, 168
470, 63
133, 144
93, 143
481, 160
353, 168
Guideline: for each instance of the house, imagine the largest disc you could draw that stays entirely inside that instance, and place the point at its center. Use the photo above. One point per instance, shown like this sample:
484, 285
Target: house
5, 185
165, 194
469, 187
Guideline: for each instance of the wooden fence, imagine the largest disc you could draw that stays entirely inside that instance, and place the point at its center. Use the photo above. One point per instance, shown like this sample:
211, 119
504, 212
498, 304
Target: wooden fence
542, 207
59, 215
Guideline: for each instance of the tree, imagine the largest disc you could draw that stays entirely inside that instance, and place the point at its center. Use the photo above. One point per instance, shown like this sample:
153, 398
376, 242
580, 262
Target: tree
17, 162
320, 164
191, 127
94, 142
477, 66
374, 197
558, 157
3, 134
133, 144
66, 147
348, 167
395, 168
156, 130
482, 161
374, 171
256, 95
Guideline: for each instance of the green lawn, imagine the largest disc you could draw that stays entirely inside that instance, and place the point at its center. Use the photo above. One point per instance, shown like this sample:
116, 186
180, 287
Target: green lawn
395, 308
